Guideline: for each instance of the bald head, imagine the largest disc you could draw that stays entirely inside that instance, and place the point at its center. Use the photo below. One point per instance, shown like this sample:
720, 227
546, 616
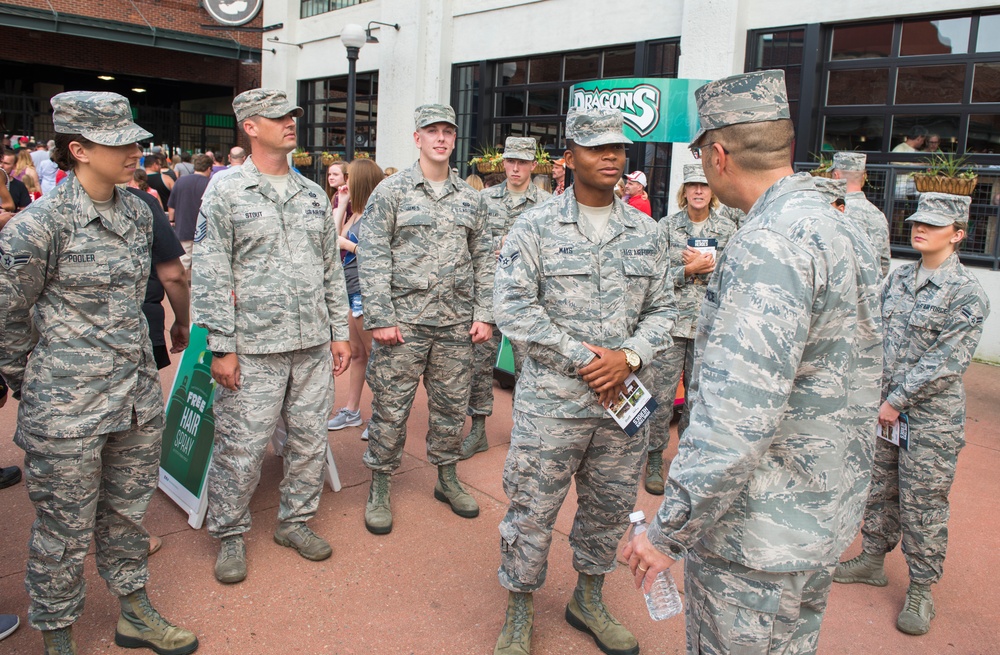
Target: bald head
237, 156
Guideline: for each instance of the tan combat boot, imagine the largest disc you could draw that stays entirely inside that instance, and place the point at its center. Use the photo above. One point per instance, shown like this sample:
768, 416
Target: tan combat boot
586, 612
515, 636
654, 473
476, 441
378, 513
865, 568
918, 610
231, 564
59, 642
141, 626
449, 490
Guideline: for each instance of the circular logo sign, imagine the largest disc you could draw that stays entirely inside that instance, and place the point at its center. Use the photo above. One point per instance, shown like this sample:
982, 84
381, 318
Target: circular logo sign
232, 12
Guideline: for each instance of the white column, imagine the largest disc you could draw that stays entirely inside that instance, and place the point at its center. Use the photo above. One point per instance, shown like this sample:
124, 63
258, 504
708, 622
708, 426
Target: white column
713, 35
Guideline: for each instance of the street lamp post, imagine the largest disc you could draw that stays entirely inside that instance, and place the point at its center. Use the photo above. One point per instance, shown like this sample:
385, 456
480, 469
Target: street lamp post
353, 37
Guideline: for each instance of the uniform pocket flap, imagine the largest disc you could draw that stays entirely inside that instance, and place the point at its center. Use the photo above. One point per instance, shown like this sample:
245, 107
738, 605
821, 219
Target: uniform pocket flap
744, 591
641, 266
566, 265
47, 546
82, 363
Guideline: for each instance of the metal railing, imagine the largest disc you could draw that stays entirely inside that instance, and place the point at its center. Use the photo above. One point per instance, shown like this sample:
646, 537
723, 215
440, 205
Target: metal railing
890, 188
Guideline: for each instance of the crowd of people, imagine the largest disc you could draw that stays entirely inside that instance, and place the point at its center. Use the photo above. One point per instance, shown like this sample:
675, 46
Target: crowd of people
768, 292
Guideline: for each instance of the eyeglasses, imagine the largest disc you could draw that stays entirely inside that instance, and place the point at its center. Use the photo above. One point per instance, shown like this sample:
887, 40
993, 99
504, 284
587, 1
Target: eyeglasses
696, 150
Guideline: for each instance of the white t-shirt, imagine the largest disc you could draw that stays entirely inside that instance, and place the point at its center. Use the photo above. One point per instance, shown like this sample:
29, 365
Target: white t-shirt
595, 219
279, 182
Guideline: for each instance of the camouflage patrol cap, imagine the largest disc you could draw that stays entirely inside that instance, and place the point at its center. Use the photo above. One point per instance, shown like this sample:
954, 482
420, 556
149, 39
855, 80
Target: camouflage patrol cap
425, 115
104, 118
940, 209
519, 147
694, 173
850, 161
269, 103
595, 127
748, 98
831, 190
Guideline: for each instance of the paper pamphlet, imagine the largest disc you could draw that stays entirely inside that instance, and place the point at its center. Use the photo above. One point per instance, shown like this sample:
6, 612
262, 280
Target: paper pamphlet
634, 407
898, 434
704, 246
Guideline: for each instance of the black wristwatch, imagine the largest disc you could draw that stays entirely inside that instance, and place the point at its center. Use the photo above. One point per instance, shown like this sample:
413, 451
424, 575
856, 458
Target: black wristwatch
218, 354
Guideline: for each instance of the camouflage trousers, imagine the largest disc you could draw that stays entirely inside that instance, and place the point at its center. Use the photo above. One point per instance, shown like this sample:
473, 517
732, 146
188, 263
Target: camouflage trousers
484, 358
443, 356
544, 457
298, 387
91, 487
664, 376
909, 499
731, 608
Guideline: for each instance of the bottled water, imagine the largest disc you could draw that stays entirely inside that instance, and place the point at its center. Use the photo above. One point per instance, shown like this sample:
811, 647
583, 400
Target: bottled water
663, 601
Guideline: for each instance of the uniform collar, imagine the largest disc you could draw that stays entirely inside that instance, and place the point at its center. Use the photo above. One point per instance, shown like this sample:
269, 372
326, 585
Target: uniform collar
620, 214
417, 179
711, 222
784, 186
501, 191
939, 278
252, 177
121, 216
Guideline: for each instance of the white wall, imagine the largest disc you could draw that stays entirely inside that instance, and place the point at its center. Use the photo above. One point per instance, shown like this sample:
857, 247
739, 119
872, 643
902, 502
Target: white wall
414, 64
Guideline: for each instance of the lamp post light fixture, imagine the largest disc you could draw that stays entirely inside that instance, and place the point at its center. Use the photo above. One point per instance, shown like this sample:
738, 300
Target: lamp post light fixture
353, 37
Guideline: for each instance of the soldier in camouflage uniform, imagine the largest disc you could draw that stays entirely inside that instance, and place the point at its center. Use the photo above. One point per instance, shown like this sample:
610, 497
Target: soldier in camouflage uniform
833, 191
690, 270
268, 286
933, 311
426, 271
850, 167
74, 264
582, 287
504, 202
770, 475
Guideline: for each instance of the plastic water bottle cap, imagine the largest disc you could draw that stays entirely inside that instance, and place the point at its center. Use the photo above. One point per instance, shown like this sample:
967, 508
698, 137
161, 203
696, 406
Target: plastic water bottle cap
635, 517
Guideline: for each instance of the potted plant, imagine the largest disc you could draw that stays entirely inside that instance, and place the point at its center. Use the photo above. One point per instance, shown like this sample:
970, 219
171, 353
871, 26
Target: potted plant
328, 158
824, 166
544, 161
301, 158
488, 160
947, 173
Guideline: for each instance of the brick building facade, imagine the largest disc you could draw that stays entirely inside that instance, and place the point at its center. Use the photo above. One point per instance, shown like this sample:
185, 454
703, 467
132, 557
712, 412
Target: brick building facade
179, 75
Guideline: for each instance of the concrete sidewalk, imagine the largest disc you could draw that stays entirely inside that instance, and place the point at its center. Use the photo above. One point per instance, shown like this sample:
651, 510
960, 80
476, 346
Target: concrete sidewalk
430, 586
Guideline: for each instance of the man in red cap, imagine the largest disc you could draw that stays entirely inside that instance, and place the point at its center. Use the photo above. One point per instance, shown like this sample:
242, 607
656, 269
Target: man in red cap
635, 190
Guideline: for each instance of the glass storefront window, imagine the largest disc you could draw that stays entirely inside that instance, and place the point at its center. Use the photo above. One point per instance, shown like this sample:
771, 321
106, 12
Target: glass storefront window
935, 37
861, 133
510, 103
857, 87
984, 134
986, 83
544, 102
583, 66
923, 85
619, 63
861, 41
988, 37
545, 69
512, 72
943, 125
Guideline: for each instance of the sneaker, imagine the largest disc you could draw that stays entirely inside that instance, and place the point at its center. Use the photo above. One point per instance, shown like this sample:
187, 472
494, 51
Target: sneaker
364, 435
345, 418
8, 624
9, 476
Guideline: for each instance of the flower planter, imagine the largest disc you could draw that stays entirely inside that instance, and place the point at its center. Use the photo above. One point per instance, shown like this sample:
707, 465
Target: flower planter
302, 161
543, 168
959, 186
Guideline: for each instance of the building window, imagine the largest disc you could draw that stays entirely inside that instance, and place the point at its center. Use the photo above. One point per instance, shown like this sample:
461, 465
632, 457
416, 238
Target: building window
315, 7
323, 126
528, 96
781, 50
883, 79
